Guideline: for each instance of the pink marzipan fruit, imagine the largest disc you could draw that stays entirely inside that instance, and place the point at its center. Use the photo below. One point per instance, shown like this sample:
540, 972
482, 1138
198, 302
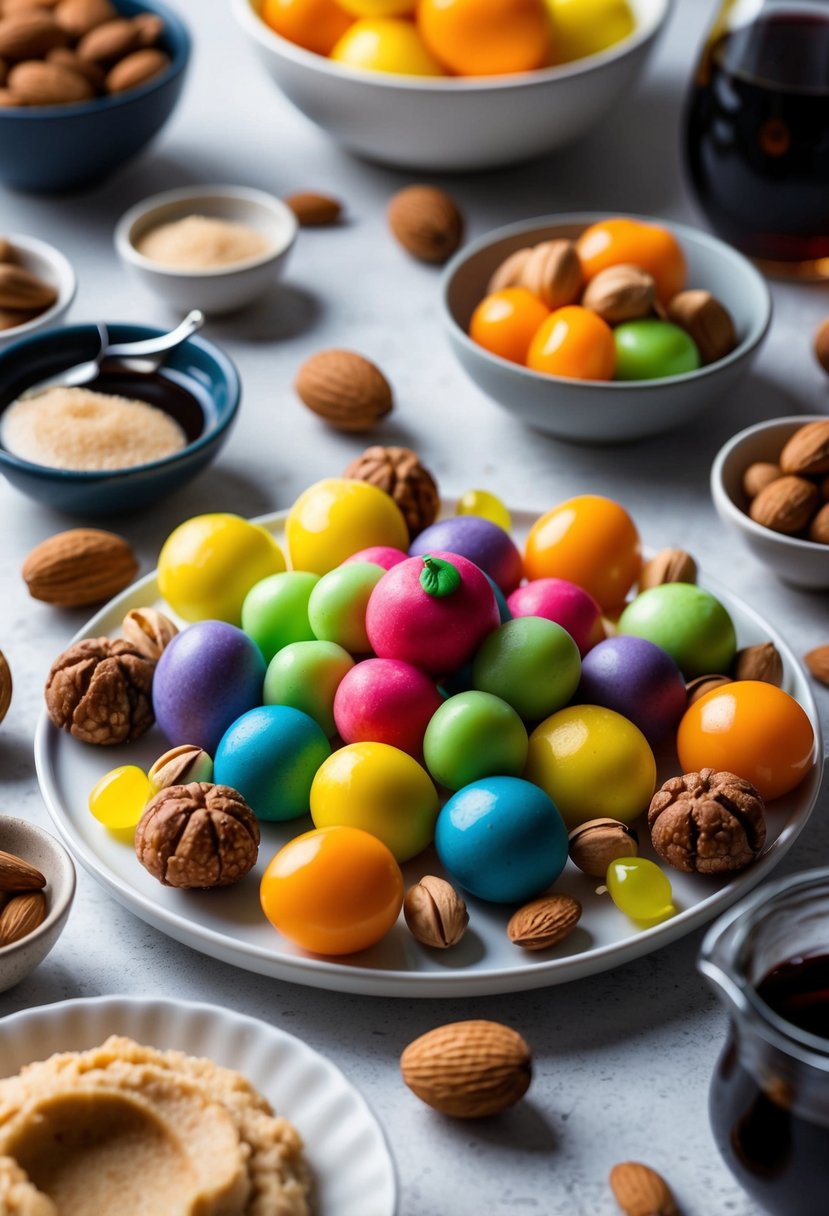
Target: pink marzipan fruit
386, 701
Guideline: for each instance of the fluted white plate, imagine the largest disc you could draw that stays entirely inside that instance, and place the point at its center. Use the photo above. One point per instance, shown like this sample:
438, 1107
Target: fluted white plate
353, 1170
229, 925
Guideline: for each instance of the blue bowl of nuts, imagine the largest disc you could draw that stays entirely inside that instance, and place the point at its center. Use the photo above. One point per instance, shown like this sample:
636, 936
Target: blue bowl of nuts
125, 440
86, 88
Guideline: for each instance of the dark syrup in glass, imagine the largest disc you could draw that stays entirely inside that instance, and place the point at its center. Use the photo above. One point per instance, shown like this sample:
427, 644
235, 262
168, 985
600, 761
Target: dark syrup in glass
781, 1159
758, 136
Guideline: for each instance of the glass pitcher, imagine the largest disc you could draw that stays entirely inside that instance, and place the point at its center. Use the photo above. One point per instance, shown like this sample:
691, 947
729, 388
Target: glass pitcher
757, 132
768, 960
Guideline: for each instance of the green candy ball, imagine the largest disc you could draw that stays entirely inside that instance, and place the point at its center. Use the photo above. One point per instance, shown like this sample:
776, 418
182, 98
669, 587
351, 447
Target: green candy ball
531, 663
306, 676
474, 735
688, 622
275, 611
650, 349
337, 607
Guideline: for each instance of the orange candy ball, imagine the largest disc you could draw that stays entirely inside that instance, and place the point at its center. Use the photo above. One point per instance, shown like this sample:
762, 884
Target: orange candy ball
505, 322
588, 540
486, 37
573, 342
750, 728
335, 890
613, 242
315, 25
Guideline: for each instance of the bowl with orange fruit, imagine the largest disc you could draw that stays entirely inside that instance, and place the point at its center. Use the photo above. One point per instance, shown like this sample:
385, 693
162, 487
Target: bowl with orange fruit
453, 84
604, 329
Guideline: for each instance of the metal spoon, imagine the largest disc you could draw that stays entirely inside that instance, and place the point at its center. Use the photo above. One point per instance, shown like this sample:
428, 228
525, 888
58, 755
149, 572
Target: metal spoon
150, 352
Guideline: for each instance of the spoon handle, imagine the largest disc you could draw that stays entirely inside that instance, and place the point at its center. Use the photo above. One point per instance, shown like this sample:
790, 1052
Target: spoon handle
155, 346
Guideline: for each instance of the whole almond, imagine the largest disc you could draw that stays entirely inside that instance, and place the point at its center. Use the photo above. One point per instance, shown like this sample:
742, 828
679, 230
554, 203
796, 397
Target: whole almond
760, 662
553, 273
21, 916
314, 210
426, 222
16, 874
150, 28
640, 1191
707, 321
78, 17
5, 686
544, 922
9, 100
347, 390
786, 505
79, 567
468, 1069
668, 566
22, 290
510, 272
819, 527
29, 34
822, 344
759, 475
435, 913
67, 58
136, 69
817, 661
620, 293
109, 41
807, 452
41, 83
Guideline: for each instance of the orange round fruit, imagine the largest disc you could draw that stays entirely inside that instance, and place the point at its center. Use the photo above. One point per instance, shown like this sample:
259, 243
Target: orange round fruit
573, 342
486, 37
505, 322
750, 728
589, 540
315, 25
617, 241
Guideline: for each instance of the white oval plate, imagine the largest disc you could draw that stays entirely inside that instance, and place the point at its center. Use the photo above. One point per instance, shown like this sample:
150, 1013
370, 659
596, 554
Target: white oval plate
229, 925
353, 1170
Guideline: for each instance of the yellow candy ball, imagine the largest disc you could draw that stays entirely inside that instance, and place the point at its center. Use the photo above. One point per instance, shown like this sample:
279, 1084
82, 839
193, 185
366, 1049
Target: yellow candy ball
586, 27
337, 517
208, 564
486, 506
378, 8
118, 799
386, 44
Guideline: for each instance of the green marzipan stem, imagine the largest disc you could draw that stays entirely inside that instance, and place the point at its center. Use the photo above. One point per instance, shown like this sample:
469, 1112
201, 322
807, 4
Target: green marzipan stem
438, 577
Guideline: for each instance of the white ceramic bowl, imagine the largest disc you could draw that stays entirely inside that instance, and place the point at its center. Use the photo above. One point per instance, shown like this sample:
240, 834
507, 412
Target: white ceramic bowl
215, 290
50, 265
592, 411
48, 855
801, 562
453, 123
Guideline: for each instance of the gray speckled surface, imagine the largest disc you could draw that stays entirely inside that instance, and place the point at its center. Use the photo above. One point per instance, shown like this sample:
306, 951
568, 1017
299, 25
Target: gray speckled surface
622, 1060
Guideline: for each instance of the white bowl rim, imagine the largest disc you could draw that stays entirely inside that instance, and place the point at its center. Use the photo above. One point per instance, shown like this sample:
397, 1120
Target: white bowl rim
643, 33
61, 899
741, 518
67, 285
571, 219
195, 194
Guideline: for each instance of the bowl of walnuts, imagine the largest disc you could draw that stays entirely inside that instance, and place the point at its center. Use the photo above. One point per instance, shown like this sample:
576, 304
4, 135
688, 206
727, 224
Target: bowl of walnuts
770, 482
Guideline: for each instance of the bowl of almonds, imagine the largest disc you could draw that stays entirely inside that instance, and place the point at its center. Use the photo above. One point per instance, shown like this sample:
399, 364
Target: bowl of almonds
37, 287
37, 885
770, 482
84, 86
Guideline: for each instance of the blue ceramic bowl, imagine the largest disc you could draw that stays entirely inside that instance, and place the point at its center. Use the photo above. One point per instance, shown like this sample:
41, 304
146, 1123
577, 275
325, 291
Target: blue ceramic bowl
50, 149
198, 385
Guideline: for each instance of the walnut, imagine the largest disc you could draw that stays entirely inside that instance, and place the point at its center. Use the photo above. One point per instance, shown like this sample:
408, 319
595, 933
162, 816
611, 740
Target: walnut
197, 835
399, 472
101, 691
707, 822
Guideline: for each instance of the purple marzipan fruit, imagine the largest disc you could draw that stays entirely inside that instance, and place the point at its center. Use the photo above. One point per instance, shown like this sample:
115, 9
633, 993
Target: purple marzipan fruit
639, 680
480, 541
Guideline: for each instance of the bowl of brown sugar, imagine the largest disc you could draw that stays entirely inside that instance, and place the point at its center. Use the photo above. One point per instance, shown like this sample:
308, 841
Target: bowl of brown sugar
121, 442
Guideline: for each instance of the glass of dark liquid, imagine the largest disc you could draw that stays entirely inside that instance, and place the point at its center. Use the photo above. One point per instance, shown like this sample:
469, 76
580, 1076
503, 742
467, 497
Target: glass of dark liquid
757, 132
768, 960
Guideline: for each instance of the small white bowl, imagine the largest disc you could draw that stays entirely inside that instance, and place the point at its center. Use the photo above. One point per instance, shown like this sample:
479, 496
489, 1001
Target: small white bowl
48, 855
454, 123
50, 265
216, 290
604, 411
801, 562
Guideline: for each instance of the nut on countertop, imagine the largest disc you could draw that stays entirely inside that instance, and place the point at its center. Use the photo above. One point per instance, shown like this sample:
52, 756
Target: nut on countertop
641, 1191
435, 912
345, 389
314, 210
817, 661
468, 1069
426, 222
5, 686
79, 567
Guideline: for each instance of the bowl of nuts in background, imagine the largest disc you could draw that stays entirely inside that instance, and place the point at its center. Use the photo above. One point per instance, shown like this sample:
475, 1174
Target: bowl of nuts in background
770, 482
37, 287
86, 85
37, 886
674, 312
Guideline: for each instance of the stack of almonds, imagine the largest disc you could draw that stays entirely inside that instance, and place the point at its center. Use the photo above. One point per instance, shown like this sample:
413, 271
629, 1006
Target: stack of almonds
792, 495
72, 51
23, 295
22, 902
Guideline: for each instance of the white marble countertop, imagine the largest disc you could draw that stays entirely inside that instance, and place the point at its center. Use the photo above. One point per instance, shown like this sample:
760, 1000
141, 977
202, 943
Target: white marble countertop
623, 1060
